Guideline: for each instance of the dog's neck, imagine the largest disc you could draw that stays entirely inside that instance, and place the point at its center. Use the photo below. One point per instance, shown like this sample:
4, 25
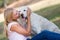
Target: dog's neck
22, 22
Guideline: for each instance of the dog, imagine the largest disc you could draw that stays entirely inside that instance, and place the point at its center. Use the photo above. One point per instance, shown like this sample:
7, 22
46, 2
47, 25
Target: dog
38, 22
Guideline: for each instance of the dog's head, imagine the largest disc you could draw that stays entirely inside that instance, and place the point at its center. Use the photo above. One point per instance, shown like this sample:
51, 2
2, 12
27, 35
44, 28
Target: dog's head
23, 11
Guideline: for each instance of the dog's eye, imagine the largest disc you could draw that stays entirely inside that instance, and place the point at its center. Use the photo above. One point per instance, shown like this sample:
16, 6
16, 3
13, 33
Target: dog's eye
24, 10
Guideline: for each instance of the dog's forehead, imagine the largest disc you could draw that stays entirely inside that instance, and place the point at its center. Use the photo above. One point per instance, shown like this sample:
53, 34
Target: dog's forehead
22, 8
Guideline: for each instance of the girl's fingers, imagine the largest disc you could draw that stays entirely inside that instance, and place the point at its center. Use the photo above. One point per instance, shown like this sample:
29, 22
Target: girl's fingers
28, 12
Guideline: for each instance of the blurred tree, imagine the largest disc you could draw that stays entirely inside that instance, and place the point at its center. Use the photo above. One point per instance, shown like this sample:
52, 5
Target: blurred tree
1, 3
7, 2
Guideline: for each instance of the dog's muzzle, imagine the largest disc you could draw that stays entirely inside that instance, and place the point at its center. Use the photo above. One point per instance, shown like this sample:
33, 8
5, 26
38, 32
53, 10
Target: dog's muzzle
22, 15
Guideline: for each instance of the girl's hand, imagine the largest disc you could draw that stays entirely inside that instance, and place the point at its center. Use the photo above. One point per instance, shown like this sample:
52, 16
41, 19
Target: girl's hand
28, 12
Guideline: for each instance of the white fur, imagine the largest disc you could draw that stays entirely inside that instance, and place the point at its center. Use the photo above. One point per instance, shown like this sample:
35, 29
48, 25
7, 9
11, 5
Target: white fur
39, 23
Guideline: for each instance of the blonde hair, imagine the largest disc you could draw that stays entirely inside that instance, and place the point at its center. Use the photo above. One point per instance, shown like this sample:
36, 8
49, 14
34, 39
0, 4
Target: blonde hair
8, 15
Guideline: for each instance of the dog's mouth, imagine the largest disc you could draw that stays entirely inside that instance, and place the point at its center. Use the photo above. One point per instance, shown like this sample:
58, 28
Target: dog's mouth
23, 17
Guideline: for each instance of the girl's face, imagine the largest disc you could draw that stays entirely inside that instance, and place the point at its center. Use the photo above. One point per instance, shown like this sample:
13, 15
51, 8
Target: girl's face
16, 14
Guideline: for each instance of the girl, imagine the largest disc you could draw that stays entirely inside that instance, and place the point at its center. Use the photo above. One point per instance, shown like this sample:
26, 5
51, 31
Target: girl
15, 31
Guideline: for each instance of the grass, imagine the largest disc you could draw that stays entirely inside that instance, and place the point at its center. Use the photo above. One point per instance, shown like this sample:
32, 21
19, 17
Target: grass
2, 36
51, 13
1, 27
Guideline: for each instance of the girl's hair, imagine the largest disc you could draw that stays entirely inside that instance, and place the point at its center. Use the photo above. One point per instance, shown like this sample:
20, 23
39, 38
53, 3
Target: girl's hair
8, 15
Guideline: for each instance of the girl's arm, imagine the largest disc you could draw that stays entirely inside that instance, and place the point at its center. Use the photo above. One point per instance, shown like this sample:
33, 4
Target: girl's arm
19, 29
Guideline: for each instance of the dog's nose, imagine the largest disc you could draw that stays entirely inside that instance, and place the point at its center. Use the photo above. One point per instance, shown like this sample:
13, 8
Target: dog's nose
22, 15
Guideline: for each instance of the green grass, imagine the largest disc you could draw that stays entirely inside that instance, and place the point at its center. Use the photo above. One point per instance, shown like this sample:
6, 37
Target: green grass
2, 36
1, 27
50, 13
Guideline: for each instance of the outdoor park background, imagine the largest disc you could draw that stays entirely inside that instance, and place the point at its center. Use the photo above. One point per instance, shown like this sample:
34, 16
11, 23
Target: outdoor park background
50, 9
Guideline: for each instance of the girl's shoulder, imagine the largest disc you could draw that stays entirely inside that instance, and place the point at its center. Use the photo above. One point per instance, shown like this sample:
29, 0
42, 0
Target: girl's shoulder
11, 23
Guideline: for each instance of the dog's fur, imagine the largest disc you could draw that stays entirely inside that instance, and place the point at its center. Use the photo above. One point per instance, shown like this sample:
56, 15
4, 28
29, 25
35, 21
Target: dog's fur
38, 22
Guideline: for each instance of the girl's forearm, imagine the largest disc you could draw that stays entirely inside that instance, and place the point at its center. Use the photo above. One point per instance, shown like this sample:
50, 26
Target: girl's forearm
29, 25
